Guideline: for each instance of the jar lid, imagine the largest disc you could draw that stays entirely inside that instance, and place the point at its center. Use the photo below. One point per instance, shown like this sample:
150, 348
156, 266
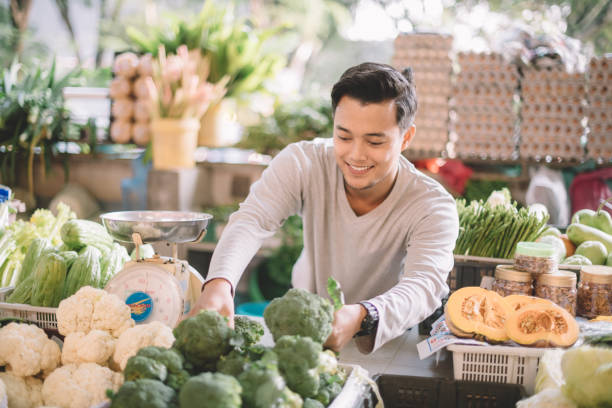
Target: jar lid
540, 249
559, 278
596, 274
506, 272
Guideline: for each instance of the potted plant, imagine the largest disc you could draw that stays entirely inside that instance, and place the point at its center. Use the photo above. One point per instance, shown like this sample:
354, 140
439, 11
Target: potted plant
179, 96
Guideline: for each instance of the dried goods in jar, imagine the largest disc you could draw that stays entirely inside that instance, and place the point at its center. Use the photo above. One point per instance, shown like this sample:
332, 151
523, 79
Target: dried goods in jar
535, 258
559, 288
509, 281
595, 291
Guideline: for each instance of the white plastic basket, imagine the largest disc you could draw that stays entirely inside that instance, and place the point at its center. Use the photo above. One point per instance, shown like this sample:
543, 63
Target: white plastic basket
499, 364
43, 317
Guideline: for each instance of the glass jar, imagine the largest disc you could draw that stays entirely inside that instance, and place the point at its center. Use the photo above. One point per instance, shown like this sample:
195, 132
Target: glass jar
509, 281
559, 288
595, 291
535, 258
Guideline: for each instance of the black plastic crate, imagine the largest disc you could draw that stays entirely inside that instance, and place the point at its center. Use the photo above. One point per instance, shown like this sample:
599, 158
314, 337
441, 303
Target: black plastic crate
401, 391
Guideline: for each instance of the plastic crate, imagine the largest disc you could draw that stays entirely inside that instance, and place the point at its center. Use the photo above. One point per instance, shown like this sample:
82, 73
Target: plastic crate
496, 364
469, 270
43, 317
401, 391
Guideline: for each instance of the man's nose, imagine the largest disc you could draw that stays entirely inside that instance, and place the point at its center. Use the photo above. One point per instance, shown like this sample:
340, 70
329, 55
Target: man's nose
358, 150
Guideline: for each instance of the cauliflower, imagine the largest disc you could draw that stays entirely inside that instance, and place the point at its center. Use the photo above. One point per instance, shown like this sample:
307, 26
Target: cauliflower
97, 346
211, 389
27, 350
135, 338
79, 385
22, 392
90, 308
203, 338
300, 312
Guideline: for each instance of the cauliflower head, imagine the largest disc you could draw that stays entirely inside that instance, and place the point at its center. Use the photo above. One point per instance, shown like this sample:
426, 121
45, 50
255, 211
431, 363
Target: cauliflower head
211, 390
137, 337
97, 346
300, 312
90, 308
298, 360
79, 385
203, 338
27, 350
22, 392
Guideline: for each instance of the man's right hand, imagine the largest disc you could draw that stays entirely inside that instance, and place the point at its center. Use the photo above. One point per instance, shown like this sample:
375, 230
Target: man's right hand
217, 295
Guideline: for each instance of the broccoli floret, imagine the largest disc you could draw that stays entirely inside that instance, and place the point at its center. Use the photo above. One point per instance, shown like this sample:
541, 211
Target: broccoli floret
250, 331
211, 390
171, 358
157, 363
177, 380
139, 367
236, 361
311, 403
330, 385
298, 361
203, 338
144, 393
300, 312
264, 387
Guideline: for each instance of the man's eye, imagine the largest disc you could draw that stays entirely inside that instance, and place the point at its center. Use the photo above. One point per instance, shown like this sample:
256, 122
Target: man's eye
343, 138
375, 143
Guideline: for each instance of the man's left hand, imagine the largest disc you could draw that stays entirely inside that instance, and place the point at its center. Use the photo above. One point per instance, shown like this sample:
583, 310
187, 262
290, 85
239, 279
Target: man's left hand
347, 322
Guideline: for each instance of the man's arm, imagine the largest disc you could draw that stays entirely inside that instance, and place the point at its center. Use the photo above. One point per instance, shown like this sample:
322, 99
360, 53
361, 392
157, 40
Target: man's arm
429, 259
272, 199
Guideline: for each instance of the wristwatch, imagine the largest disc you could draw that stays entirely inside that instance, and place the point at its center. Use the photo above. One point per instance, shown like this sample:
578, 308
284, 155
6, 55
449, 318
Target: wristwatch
369, 324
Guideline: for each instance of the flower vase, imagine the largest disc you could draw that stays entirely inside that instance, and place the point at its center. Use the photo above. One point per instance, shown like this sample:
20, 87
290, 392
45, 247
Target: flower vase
174, 142
219, 126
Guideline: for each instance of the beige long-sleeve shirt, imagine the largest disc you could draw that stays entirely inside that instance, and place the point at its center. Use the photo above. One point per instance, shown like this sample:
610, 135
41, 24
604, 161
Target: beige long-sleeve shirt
396, 256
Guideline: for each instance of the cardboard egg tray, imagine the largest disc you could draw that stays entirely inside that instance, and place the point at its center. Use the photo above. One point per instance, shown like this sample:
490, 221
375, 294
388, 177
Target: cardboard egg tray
599, 86
130, 107
483, 103
428, 56
552, 114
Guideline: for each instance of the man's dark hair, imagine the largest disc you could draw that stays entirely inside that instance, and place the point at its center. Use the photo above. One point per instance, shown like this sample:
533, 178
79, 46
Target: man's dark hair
371, 82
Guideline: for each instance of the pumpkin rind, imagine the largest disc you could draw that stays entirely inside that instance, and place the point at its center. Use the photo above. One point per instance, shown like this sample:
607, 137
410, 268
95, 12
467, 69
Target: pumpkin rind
477, 312
539, 325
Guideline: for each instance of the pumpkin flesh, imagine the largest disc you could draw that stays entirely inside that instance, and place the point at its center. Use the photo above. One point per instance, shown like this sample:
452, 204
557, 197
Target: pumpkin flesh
538, 325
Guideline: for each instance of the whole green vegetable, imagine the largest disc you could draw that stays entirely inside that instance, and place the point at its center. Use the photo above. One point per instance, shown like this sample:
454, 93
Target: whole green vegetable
171, 359
597, 219
49, 278
298, 360
35, 251
139, 367
211, 390
203, 338
85, 271
248, 330
77, 234
300, 312
588, 376
143, 393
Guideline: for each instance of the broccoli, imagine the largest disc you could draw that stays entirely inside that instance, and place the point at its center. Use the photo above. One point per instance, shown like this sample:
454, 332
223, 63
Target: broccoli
264, 387
250, 331
143, 393
329, 387
139, 367
211, 390
157, 363
300, 312
298, 361
203, 338
236, 361
311, 403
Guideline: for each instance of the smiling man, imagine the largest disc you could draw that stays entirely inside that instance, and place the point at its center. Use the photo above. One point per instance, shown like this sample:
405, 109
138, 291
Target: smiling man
384, 230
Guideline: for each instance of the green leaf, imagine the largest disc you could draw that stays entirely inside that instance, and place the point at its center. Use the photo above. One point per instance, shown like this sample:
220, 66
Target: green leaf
335, 292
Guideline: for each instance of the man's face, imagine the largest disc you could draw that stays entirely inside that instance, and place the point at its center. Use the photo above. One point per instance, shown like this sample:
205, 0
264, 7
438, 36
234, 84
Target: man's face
368, 144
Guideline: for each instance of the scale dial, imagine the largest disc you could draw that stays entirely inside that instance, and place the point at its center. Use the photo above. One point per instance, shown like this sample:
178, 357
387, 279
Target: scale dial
152, 293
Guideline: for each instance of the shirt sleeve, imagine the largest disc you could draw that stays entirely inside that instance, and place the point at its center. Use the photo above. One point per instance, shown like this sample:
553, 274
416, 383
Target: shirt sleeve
271, 200
429, 259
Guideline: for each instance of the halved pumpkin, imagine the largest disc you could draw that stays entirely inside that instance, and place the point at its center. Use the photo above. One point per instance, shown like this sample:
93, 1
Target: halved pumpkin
517, 302
477, 312
539, 325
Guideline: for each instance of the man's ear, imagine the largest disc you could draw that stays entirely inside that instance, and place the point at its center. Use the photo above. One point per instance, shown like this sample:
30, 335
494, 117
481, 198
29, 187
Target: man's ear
408, 135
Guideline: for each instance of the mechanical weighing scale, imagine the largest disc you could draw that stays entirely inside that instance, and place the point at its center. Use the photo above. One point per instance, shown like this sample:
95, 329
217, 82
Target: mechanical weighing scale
158, 288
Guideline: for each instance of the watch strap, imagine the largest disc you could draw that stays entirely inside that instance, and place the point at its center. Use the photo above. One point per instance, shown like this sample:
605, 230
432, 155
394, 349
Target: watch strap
369, 324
